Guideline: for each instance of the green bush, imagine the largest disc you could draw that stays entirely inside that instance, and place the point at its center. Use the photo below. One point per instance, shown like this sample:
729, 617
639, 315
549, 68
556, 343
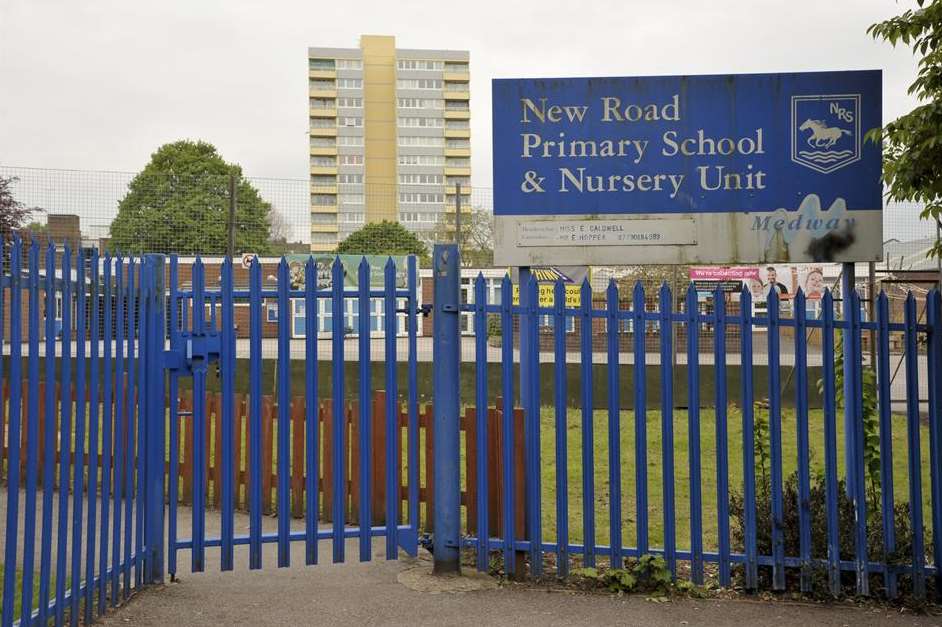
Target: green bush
493, 326
648, 573
819, 532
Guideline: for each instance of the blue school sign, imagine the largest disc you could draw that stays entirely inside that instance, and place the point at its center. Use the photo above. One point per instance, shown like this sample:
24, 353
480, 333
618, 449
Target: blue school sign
606, 170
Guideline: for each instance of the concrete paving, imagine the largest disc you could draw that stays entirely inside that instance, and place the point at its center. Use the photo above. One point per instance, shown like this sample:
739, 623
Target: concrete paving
370, 594
373, 593
380, 592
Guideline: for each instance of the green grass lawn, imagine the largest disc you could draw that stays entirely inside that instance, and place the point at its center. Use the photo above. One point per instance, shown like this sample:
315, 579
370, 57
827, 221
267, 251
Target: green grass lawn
708, 478
682, 471
655, 469
17, 606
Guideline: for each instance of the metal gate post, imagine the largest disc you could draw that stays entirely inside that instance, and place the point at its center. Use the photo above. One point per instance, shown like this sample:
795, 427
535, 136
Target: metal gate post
155, 395
445, 393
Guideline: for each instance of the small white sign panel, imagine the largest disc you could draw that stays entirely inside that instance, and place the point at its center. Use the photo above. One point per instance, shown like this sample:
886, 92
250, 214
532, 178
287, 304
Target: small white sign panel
607, 233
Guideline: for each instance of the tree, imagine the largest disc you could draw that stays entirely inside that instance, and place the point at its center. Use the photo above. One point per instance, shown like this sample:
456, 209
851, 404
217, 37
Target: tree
383, 238
37, 228
179, 203
280, 230
13, 214
912, 143
477, 236
676, 277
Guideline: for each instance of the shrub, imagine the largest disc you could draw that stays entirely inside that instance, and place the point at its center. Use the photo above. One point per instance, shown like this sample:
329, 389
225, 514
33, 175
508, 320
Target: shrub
819, 531
648, 573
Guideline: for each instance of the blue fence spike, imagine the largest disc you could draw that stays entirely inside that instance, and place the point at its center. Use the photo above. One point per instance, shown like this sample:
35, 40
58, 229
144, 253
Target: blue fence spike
363, 309
913, 423
666, 329
481, 408
130, 429
722, 445
284, 415
639, 329
693, 434
748, 440
853, 371
174, 439
120, 431
338, 430
255, 414
392, 453
802, 438
147, 445
562, 426
775, 442
50, 432
507, 424
32, 435
311, 414
227, 350
200, 369
14, 429
107, 430
588, 424
94, 415
614, 425
533, 484
65, 433
412, 439
884, 407
830, 440
934, 373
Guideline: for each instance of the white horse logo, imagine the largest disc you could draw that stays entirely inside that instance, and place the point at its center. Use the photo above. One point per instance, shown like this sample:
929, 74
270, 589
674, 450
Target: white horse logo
822, 135
825, 131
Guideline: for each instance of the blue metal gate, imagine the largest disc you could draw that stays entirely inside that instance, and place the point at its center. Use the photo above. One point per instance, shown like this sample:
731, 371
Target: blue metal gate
202, 331
82, 428
93, 438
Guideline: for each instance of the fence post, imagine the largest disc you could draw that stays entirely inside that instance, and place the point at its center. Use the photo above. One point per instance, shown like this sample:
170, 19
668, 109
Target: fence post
848, 285
446, 472
155, 419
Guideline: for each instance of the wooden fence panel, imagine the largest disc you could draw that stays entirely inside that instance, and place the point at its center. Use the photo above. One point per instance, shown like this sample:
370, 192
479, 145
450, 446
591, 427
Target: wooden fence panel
181, 487
327, 459
297, 457
267, 426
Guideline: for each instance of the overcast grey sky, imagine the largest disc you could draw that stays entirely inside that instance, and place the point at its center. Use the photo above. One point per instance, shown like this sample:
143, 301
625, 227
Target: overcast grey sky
99, 84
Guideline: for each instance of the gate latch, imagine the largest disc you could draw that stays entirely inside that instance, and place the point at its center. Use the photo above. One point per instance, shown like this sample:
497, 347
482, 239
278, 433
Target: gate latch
199, 349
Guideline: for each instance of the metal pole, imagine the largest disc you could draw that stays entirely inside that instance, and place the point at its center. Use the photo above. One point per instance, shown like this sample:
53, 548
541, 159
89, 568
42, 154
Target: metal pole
155, 411
848, 284
233, 202
446, 471
458, 215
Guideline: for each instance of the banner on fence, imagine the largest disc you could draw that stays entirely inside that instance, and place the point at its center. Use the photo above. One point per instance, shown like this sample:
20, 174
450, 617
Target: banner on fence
726, 279
351, 264
748, 168
546, 277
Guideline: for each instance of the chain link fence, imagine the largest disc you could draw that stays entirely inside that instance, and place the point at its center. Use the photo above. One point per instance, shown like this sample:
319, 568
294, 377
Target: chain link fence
216, 215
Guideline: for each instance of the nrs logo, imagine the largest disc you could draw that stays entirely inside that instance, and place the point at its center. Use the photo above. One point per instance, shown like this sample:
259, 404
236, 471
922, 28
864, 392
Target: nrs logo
825, 131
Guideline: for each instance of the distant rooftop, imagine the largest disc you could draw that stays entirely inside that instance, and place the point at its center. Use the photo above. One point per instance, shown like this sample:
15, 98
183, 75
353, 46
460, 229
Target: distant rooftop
911, 255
